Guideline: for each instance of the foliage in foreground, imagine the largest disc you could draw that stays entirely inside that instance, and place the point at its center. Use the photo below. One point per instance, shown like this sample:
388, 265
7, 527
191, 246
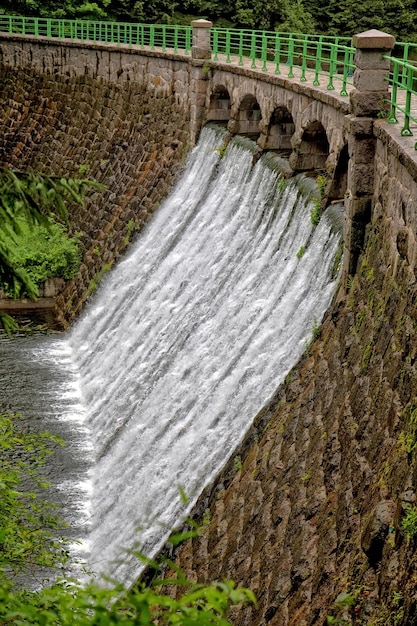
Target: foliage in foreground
27, 522
28, 541
67, 604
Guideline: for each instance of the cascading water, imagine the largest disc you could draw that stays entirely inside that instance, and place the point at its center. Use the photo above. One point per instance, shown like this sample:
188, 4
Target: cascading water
185, 341
189, 336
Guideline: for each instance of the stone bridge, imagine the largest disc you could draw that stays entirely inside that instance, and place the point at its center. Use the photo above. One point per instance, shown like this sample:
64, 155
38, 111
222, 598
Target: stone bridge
318, 130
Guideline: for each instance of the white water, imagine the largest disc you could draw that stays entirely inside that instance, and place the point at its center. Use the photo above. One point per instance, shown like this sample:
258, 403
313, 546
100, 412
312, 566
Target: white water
188, 338
185, 341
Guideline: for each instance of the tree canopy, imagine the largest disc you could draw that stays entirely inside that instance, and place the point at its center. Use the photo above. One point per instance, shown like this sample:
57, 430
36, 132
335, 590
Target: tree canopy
344, 17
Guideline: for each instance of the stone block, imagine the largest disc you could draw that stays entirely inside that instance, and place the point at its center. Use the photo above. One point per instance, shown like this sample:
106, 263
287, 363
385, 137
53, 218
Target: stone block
373, 39
360, 178
376, 530
371, 80
367, 103
372, 60
200, 86
201, 39
362, 151
233, 126
359, 126
200, 53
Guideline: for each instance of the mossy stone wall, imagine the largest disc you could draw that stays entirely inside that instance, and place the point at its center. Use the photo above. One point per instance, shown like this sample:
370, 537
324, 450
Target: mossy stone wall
312, 506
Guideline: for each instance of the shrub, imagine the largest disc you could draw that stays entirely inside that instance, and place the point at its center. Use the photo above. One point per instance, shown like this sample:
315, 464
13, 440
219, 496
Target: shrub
44, 251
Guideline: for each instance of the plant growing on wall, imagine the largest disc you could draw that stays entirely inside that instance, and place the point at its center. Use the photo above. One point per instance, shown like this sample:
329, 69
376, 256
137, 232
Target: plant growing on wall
29, 201
43, 251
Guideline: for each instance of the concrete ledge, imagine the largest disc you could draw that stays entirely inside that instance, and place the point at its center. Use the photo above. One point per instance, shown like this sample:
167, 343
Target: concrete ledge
97, 45
24, 305
373, 39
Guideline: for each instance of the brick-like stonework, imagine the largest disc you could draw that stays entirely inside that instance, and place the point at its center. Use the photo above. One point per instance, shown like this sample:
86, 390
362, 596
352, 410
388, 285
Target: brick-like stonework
128, 134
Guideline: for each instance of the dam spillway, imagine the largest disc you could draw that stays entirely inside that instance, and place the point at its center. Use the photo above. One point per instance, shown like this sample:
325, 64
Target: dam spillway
186, 340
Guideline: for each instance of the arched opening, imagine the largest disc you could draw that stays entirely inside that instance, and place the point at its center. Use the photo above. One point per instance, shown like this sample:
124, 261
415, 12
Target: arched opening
219, 109
280, 130
249, 117
313, 150
338, 185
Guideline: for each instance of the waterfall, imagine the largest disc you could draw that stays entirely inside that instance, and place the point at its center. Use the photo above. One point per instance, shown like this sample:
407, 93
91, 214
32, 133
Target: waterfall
184, 342
189, 336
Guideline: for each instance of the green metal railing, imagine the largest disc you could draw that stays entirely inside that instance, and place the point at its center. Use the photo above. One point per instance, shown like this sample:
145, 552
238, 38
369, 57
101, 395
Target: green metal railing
403, 81
164, 36
323, 60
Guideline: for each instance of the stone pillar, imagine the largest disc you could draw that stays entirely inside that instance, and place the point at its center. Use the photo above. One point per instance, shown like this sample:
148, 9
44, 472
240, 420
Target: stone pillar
200, 53
201, 47
367, 100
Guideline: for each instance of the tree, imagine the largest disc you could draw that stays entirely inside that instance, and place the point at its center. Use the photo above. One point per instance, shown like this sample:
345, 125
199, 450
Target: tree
27, 522
346, 17
31, 202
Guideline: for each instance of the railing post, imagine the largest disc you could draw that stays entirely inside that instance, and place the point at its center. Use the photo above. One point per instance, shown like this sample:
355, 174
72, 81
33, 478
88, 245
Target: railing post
201, 48
200, 52
367, 101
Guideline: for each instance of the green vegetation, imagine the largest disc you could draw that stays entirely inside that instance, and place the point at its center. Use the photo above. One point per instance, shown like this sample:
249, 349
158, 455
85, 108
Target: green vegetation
93, 284
29, 205
346, 18
366, 357
337, 263
42, 251
300, 252
315, 334
407, 438
221, 149
343, 603
29, 542
237, 463
27, 522
315, 212
409, 523
315, 330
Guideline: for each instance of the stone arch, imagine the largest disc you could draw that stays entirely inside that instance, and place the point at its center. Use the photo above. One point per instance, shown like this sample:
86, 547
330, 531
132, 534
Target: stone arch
248, 117
338, 184
280, 130
312, 150
219, 106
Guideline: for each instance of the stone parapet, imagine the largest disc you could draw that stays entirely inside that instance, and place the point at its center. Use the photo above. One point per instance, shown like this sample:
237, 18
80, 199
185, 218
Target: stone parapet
366, 102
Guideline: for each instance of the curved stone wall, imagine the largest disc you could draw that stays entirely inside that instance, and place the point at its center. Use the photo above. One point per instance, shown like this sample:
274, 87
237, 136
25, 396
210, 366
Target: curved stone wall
125, 132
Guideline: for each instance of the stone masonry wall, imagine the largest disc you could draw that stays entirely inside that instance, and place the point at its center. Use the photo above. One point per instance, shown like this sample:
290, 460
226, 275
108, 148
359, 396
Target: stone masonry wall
128, 131
313, 504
